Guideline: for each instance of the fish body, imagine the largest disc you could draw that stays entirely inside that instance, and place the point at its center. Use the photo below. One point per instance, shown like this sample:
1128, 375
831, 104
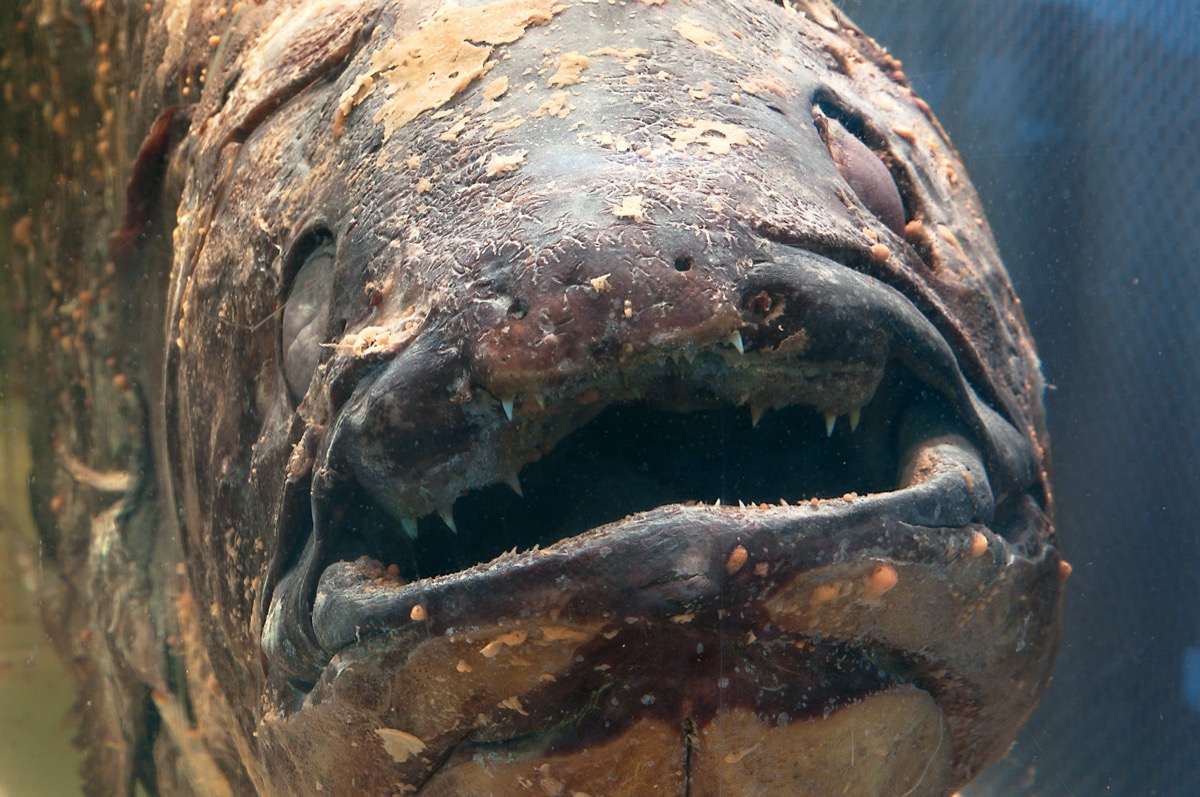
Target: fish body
606, 398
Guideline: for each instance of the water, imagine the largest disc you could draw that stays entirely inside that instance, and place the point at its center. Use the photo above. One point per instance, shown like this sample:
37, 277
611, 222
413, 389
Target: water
36, 755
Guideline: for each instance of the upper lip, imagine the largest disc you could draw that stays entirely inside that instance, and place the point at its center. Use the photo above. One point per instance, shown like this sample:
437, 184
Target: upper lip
850, 321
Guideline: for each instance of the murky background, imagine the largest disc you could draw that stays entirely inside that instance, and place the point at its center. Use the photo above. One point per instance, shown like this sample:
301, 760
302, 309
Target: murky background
36, 755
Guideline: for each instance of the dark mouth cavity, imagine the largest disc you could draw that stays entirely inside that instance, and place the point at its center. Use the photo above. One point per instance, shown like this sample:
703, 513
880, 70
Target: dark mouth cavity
632, 458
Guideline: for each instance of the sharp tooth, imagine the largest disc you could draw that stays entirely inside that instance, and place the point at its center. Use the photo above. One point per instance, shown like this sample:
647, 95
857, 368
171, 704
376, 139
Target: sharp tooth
540, 399
756, 413
736, 341
741, 504
855, 417
447, 513
410, 527
782, 502
830, 421
508, 406
717, 502
514, 481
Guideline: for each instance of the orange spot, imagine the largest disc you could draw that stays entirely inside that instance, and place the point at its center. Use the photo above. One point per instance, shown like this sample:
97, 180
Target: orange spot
737, 559
418, 613
881, 581
880, 253
823, 593
979, 545
57, 504
1064, 570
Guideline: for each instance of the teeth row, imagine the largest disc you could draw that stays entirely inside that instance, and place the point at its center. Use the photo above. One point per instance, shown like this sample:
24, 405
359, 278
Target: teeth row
508, 403
446, 513
757, 411
513, 480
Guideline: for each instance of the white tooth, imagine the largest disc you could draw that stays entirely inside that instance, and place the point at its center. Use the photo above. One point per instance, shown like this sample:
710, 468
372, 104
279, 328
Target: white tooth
736, 340
855, 417
741, 504
514, 482
830, 420
508, 406
540, 399
447, 514
717, 502
756, 413
782, 502
410, 527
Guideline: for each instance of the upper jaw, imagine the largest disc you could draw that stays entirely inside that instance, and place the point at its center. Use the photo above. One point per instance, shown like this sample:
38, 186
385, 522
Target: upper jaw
809, 332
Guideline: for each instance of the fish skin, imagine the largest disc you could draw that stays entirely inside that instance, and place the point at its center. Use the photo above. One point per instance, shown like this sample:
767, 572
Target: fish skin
297, 128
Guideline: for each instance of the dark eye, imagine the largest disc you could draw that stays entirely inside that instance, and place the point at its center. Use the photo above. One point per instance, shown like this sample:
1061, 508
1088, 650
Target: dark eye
865, 172
306, 316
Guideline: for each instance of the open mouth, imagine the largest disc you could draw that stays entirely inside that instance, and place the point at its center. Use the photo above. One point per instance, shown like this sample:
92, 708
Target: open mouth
634, 457
644, 484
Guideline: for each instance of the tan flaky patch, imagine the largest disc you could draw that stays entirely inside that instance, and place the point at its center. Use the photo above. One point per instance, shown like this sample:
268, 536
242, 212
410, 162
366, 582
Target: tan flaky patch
570, 68
719, 137
499, 164
704, 38
425, 69
399, 745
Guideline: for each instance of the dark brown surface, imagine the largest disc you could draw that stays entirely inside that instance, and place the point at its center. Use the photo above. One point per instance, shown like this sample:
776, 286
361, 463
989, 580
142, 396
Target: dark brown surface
463, 280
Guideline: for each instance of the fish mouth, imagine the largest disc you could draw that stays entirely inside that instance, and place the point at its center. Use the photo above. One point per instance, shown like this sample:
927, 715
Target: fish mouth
796, 482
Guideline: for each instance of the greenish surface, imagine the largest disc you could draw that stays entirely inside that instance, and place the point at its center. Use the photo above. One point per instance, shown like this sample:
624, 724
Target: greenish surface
36, 728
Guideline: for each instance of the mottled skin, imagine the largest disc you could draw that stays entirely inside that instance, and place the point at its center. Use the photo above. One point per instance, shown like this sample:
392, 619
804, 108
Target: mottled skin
563, 196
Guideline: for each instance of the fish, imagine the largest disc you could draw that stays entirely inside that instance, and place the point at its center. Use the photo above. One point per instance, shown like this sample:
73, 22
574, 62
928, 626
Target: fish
594, 398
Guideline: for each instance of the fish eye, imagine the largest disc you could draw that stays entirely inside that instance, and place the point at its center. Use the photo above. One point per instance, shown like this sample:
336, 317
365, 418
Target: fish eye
865, 172
306, 313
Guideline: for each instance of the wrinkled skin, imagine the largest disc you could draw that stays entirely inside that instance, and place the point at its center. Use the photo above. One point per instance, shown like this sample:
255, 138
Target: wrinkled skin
520, 219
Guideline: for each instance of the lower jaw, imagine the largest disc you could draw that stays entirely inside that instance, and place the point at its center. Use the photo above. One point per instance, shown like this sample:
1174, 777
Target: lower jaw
715, 638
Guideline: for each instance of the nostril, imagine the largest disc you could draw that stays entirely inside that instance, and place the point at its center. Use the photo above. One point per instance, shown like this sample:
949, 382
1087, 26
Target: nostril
683, 263
518, 308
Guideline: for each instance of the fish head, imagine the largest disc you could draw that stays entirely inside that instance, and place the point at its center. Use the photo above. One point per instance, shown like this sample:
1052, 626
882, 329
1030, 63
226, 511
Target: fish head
612, 397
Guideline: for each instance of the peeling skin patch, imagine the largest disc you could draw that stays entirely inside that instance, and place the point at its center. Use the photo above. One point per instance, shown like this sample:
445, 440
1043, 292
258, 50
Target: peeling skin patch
455, 130
358, 91
701, 92
556, 105
570, 68
511, 639
495, 89
502, 164
506, 124
607, 139
704, 38
375, 340
630, 208
399, 745
719, 137
427, 68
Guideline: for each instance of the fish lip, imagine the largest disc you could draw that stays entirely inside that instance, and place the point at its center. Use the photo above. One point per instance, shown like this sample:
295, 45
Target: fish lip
300, 634
686, 557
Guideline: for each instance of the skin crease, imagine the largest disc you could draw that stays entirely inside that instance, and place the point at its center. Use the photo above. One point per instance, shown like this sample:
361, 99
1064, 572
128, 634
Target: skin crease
537, 211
